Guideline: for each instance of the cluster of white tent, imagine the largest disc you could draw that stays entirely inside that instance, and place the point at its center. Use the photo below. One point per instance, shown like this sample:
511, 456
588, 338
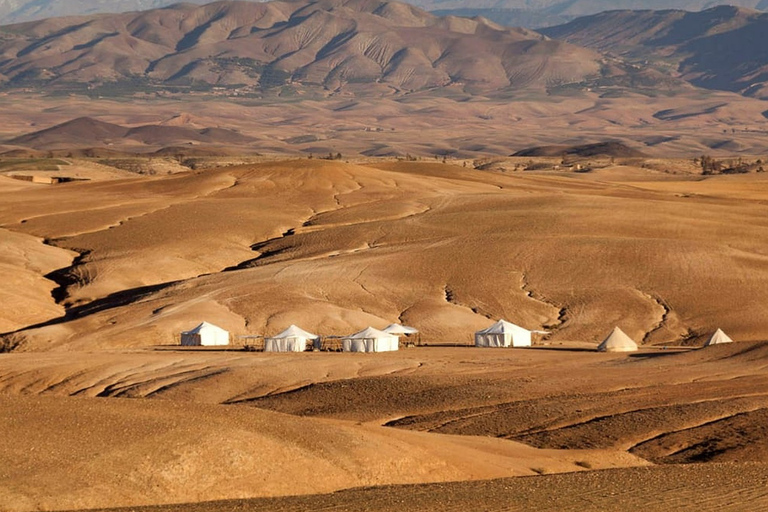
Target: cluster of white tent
296, 339
500, 334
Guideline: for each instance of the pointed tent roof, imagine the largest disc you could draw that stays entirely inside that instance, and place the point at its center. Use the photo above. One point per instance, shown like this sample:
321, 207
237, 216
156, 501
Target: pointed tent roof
501, 327
369, 333
205, 326
399, 329
295, 332
718, 337
617, 341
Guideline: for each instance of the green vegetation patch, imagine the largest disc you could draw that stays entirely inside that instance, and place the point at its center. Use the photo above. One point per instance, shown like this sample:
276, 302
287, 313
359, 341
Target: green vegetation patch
31, 164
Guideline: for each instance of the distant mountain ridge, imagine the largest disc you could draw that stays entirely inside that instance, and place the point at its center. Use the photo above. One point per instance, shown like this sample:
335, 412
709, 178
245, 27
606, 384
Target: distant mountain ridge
525, 13
333, 45
720, 48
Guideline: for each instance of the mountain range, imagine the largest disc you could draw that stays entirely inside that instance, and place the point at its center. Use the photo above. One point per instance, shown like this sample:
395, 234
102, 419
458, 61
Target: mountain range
527, 13
722, 48
314, 48
333, 45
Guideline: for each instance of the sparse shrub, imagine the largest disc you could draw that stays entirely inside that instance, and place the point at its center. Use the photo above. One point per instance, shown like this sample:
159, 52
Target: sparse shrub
709, 165
10, 342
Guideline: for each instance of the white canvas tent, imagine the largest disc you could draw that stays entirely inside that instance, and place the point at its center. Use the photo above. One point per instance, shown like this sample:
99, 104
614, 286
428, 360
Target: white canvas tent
370, 340
293, 339
617, 341
717, 338
399, 329
503, 334
205, 334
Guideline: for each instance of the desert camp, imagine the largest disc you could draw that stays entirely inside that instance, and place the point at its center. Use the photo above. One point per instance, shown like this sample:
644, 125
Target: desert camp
374, 256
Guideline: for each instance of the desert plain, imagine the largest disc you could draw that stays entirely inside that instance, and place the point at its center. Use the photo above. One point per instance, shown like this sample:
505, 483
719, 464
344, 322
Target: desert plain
339, 164
101, 409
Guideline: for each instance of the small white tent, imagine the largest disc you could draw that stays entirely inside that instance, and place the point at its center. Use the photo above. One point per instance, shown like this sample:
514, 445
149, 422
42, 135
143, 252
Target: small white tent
399, 329
205, 334
293, 339
370, 340
503, 334
617, 341
717, 338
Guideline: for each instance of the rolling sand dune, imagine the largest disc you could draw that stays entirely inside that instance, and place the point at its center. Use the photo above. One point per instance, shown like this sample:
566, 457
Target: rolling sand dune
103, 409
688, 488
341, 246
230, 452
197, 428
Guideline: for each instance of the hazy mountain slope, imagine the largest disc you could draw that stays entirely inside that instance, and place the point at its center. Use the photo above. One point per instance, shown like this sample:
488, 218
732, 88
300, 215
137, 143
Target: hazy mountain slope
536, 15
512, 12
14, 11
330, 43
584, 7
510, 17
720, 48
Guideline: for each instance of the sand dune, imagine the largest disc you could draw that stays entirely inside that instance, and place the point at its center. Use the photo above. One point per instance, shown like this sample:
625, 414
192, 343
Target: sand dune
98, 386
26, 294
198, 428
689, 488
337, 246
229, 451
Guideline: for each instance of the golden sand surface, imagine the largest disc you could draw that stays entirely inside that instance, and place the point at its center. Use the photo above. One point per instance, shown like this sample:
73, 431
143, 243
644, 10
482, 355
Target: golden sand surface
150, 427
102, 409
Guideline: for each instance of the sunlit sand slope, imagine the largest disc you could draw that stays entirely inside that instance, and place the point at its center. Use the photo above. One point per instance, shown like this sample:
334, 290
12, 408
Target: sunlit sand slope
336, 247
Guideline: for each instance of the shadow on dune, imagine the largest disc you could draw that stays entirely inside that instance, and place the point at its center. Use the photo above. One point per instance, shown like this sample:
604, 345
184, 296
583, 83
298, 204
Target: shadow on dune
114, 300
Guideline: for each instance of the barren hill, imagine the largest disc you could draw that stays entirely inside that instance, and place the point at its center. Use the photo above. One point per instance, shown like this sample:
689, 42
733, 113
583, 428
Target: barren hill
14, 11
342, 246
89, 132
331, 44
610, 148
719, 48
105, 273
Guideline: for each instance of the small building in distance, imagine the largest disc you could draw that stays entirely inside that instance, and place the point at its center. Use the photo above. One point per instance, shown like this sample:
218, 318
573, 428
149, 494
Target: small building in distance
503, 334
205, 335
370, 340
293, 339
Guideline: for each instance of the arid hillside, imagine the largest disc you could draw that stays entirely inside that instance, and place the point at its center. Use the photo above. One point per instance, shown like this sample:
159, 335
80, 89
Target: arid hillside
105, 409
503, 429
331, 45
375, 79
14, 11
338, 246
88, 132
719, 48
